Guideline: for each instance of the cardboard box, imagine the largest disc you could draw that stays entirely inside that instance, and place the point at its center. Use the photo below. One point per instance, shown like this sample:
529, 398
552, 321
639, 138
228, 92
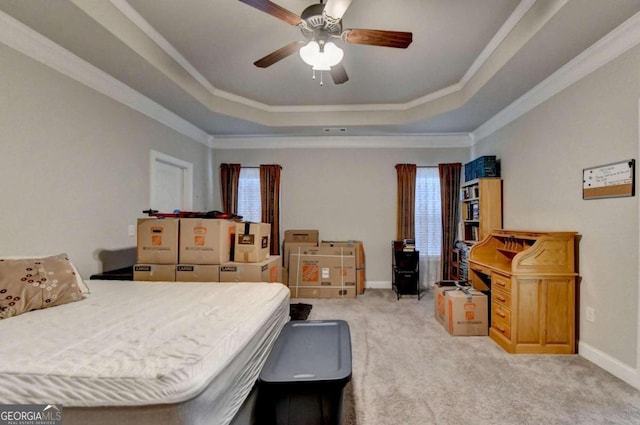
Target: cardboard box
158, 240
252, 242
268, 270
155, 272
467, 315
289, 247
358, 246
197, 273
206, 241
440, 306
294, 239
322, 292
301, 236
323, 266
360, 262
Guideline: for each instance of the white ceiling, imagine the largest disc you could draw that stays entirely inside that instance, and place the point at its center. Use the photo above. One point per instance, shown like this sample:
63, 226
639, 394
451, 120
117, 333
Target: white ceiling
469, 59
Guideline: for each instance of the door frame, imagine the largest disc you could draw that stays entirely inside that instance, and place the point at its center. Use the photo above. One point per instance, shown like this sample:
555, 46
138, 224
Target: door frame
186, 168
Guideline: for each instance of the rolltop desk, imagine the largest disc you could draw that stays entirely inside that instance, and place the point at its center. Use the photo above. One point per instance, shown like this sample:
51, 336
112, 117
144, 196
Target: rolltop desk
532, 281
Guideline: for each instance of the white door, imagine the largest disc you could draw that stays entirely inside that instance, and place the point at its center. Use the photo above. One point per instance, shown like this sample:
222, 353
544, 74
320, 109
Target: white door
171, 183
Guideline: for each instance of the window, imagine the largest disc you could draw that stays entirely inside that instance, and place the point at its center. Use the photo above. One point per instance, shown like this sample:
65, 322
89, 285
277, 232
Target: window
427, 214
249, 203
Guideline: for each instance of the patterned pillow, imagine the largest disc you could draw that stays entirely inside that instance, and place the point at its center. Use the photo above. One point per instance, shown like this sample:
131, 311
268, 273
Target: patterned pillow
36, 283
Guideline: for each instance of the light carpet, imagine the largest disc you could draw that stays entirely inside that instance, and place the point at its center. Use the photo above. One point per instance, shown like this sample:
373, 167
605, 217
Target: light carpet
408, 370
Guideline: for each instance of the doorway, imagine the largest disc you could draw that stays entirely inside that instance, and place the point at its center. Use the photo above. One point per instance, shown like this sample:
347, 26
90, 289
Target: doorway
171, 183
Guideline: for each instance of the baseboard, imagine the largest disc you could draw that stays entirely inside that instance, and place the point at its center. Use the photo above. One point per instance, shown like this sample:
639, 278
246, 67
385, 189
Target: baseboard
611, 365
381, 284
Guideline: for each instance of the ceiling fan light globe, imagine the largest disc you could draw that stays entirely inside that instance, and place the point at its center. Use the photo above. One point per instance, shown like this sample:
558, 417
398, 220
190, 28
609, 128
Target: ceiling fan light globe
321, 61
321, 67
310, 53
332, 54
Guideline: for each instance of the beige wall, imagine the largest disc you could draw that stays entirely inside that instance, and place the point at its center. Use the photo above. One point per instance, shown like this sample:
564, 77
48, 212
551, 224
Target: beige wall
74, 166
593, 122
344, 193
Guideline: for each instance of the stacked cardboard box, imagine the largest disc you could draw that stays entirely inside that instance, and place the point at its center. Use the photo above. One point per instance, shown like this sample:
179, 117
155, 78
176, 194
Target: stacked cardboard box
462, 311
360, 265
157, 250
252, 242
322, 272
251, 259
292, 240
201, 250
268, 270
183, 250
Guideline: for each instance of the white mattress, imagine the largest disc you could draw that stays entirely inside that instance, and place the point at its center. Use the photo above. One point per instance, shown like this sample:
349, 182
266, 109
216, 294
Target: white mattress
141, 344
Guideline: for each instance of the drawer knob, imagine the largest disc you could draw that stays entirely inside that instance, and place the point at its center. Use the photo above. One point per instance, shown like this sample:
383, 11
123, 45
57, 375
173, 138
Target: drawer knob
501, 314
500, 328
499, 298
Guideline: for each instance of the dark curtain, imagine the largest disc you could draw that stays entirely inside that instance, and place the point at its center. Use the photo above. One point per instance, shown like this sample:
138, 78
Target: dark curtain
229, 178
450, 200
270, 199
406, 203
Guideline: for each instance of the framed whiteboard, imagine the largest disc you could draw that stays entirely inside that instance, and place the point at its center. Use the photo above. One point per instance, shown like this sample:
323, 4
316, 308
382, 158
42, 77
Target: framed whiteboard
609, 181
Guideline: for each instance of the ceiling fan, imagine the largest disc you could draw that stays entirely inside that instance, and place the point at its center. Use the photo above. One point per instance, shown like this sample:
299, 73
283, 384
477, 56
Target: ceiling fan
320, 24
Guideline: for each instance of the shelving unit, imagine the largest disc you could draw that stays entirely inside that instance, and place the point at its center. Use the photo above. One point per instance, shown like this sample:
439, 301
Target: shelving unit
481, 208
405, 266
532, 278
480, 213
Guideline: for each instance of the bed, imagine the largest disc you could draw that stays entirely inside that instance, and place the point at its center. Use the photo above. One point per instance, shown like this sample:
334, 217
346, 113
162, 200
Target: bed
144, 353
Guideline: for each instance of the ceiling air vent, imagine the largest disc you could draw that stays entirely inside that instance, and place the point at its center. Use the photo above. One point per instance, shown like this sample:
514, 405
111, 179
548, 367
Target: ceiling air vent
334, 130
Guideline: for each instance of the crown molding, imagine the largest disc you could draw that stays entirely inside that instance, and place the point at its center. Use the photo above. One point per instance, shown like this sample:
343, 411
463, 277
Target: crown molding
30, 43
333, 142
23, 39
485, 56
612, 45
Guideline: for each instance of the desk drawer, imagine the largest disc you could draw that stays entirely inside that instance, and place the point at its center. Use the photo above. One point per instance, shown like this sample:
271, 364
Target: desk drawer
499, 281
499, 314
501, 298
501, 325
480, 269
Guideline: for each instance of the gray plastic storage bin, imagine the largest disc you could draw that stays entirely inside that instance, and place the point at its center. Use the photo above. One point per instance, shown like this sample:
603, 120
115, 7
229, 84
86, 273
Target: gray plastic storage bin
303, 379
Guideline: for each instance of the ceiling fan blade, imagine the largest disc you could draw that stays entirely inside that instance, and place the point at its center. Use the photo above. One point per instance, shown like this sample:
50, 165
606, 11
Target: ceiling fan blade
335, 9
383, 38
278, 55
339, 74
274, 10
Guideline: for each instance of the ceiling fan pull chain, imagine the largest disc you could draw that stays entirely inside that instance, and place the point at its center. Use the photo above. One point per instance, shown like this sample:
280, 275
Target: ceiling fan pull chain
321, 82
313, 73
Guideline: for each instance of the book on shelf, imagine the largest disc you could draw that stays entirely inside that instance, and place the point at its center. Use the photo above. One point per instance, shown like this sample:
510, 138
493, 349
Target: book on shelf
475, 211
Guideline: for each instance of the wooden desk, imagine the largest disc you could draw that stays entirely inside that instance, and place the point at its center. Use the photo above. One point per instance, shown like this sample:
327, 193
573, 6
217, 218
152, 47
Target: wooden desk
532, 277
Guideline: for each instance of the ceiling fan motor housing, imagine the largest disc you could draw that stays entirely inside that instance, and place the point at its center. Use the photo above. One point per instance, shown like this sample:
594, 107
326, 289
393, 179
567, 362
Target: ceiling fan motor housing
316, 27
